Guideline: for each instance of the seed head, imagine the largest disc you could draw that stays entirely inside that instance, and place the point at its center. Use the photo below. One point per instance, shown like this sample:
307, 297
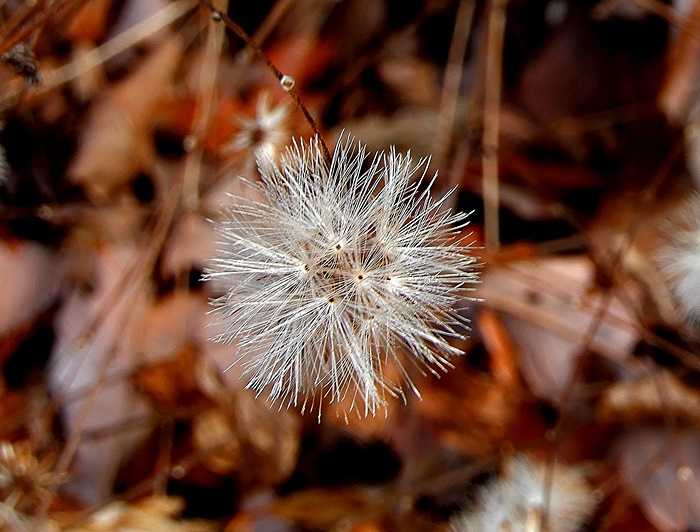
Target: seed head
344, 269
516, 501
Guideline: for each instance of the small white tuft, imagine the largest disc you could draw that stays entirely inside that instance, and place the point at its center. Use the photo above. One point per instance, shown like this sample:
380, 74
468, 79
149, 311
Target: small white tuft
342, 270
265, 133
516, 501
681, 258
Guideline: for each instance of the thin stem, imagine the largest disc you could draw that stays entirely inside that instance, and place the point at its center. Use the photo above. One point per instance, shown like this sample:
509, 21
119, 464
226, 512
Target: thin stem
452, 80
278, 11
243, 35
205, 105
492, 111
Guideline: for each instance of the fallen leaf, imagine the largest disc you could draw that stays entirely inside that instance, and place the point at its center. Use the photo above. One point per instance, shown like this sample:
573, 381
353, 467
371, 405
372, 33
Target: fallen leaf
116, 142
548, 307
662, 468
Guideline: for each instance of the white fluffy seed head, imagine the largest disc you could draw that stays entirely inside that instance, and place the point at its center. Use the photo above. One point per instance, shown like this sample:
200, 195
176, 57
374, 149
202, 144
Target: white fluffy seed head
344, 269
516, 501
681, 258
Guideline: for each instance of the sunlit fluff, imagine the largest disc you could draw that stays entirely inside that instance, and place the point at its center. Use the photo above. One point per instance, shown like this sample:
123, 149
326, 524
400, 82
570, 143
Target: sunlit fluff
681, 258
516, 501
265, 133
343, 271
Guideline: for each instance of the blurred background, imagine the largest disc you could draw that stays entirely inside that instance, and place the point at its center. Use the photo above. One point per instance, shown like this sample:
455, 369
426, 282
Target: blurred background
569, 128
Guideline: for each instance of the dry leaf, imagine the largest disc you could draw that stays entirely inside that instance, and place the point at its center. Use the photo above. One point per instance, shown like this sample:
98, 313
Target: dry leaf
31, 277
88, 24
655, 397
662, 468
96, 333
190, 246
548, 309
171, 384
116, 142
153, 514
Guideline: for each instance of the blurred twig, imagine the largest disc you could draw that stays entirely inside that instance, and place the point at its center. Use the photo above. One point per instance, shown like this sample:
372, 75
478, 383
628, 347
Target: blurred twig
452, 80
268, 25
203, 112
492, 110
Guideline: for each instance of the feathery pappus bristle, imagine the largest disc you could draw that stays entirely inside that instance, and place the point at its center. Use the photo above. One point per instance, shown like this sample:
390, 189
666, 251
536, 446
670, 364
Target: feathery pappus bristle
345, 267
517, 501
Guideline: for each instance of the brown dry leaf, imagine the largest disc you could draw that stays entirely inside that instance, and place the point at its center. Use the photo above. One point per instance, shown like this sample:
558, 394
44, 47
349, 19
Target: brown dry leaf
469, 413
324, 509
244, 434
662, 468
548, 306
191, 245
367, 526
232, 443
31, 276
89, 23
552, 176
651, 398
122, 221
172, 325
96, 333
302, 56
619, 8
500, 346
415, 81
116, 142
211, 430
411, 127
12, 411
153, 514
172, 383
249, 522
377, 426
